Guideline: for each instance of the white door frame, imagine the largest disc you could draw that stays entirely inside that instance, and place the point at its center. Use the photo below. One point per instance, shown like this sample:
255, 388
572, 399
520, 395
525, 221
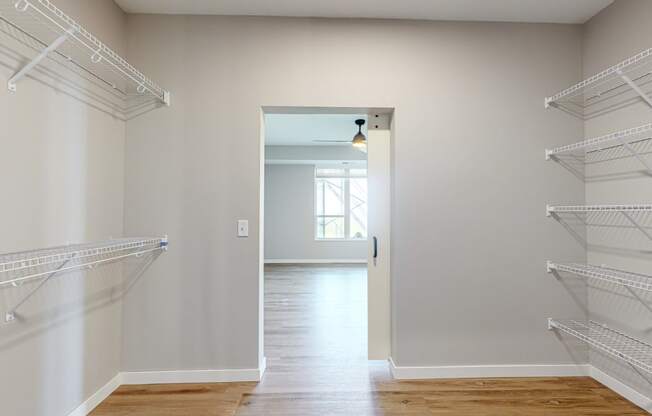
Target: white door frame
379, 331
379, 173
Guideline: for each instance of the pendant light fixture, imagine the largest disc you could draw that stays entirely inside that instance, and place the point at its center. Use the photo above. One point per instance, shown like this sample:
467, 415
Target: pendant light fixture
359, 140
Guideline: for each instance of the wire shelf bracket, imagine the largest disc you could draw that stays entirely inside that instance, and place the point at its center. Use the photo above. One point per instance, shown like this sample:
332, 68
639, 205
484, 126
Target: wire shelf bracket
634, 352
30, 266
11, 84
11, 315
73, 32
601, 273
635, 87
626, 138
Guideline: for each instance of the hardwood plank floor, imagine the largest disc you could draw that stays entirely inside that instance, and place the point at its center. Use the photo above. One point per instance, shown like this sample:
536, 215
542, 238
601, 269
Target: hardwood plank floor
315, 343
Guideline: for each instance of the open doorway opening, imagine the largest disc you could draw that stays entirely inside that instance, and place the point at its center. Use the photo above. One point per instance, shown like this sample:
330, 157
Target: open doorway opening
318, 244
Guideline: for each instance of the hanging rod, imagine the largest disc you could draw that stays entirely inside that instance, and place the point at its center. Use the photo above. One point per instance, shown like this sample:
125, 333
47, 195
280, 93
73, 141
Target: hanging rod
628, 139
20, 268
609, 83
614, 343
619, 277
71, 34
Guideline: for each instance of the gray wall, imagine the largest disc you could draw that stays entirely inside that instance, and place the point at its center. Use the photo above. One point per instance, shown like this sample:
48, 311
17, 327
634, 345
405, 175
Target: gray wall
289, 219
469, 234
62, 181
620, 31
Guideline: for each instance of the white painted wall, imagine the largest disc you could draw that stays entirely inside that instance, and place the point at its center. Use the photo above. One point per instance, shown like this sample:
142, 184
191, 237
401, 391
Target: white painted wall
469, 232
62, 181
620, 31
289, 219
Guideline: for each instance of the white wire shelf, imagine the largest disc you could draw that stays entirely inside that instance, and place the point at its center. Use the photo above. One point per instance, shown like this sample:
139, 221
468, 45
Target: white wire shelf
614, 343
604, 274
622, 84
42, 26
32, 263
41, 265
598, 208
635, 142
636, 217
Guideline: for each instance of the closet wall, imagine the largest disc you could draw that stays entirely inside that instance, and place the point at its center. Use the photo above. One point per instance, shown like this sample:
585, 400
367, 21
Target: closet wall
470, 188
620, 31
62, 180
470, 235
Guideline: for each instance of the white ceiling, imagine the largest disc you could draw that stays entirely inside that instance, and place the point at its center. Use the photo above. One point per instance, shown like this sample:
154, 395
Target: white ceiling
304, 129
535, 11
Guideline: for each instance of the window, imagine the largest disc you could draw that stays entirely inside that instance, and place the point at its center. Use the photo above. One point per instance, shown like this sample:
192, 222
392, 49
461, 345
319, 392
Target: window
340, 204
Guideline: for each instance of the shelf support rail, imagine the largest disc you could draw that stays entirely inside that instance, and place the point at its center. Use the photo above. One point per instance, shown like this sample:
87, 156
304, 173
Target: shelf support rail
11, 84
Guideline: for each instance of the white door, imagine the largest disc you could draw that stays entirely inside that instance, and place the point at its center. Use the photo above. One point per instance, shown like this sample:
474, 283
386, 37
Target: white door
378, 276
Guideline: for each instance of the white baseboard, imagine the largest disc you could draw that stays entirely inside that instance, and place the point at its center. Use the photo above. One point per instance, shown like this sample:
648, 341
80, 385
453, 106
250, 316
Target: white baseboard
315, 261
400, 373
168, 377
191, 376
490, 371
97, 397
624, 390
487, 371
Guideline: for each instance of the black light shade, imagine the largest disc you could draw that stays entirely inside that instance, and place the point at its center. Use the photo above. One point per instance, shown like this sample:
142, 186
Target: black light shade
359, 140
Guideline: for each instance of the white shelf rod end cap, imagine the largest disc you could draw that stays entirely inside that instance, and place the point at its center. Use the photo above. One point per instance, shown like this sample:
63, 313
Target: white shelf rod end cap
550, 266
10, 317
551, 324
166, 98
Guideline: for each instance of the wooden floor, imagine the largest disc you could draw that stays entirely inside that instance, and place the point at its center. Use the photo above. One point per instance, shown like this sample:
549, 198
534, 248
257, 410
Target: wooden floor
315, 343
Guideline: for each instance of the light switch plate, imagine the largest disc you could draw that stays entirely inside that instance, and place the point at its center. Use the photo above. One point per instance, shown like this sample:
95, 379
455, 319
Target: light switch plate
243, 228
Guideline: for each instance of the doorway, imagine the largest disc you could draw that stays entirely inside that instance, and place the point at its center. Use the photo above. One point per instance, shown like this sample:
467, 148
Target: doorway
324, 266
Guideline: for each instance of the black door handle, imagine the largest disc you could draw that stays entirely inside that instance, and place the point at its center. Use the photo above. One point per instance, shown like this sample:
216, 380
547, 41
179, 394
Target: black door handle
375, 247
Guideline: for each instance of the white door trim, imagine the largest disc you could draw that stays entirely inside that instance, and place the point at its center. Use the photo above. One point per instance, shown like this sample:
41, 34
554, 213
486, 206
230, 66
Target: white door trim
379, 145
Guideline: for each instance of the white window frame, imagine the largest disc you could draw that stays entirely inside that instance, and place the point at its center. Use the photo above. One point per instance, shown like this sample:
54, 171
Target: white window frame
347, 205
